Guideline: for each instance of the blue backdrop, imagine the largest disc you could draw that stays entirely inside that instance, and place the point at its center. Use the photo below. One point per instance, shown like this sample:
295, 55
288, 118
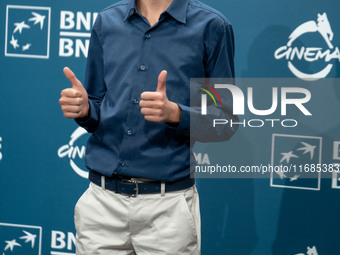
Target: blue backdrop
41, 153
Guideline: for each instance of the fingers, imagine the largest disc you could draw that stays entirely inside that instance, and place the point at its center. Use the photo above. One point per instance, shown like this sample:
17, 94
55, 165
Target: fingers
71, 111
155, 105
152, 107
74, 101
148, 95
71, 108
153, 118
161, 87
151, 111
73, 93
72, 115
152, 100
72, 78
71, 101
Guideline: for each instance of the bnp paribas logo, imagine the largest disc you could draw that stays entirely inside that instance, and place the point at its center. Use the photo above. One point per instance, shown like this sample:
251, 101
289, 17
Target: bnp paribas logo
20, 239
27, 31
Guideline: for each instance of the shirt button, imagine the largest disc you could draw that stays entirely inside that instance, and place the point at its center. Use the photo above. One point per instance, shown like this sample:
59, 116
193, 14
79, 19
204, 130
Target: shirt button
142, 67
136, 101
147, 36
129, 132
122, 163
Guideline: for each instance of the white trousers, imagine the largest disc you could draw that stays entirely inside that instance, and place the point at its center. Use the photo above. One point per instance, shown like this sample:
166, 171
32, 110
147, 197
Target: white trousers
111, 223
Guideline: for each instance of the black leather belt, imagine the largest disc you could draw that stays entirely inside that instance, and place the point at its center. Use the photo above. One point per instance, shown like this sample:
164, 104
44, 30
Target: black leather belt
133, 187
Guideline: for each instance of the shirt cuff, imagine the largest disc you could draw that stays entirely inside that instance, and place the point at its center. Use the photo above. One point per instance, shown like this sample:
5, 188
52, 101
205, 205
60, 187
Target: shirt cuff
91, 121
183, 127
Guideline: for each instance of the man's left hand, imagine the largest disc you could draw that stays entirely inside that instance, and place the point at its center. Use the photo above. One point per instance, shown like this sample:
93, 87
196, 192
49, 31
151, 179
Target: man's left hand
156, 107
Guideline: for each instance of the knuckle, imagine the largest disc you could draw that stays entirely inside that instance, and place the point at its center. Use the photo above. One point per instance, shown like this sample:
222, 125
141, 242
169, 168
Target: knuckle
78, 101
159, 96
64, 93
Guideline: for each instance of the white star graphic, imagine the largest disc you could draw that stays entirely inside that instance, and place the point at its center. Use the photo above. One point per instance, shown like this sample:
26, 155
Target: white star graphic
20, 26
307, 148
38, 19
281, 174
26, 47
11, 244
14, 42
29, 238
287, 156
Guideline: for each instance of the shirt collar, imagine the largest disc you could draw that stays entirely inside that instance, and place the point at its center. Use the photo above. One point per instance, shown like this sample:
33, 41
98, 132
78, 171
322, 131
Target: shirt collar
131, 9
177, 9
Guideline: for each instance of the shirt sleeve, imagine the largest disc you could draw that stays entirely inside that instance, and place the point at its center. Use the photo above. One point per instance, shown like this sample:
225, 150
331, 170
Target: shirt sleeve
94, 79
219, 63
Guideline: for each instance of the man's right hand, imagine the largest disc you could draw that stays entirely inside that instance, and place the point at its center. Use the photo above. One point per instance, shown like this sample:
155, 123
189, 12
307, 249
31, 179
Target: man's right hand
74, 101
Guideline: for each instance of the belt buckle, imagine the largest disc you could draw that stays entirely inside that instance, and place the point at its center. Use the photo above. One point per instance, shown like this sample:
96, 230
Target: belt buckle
135, 189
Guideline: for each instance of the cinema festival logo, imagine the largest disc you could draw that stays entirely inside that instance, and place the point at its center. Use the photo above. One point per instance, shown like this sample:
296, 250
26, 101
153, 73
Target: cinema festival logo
27, 31
310, 54
75, 153
310, 251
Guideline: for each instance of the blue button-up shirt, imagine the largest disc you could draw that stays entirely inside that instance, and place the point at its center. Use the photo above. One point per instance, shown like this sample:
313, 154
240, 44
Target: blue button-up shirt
125, 57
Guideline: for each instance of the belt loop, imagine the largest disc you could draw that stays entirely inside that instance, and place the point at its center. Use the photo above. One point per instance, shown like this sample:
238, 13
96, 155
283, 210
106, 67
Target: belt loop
162, 189
103, 182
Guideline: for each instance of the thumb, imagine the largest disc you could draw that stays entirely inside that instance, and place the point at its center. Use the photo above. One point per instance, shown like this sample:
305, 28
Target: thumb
76, 84
161, 87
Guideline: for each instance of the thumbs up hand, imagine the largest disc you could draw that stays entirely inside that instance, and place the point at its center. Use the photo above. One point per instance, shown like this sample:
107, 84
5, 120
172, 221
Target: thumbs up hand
74, 101
156, 107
